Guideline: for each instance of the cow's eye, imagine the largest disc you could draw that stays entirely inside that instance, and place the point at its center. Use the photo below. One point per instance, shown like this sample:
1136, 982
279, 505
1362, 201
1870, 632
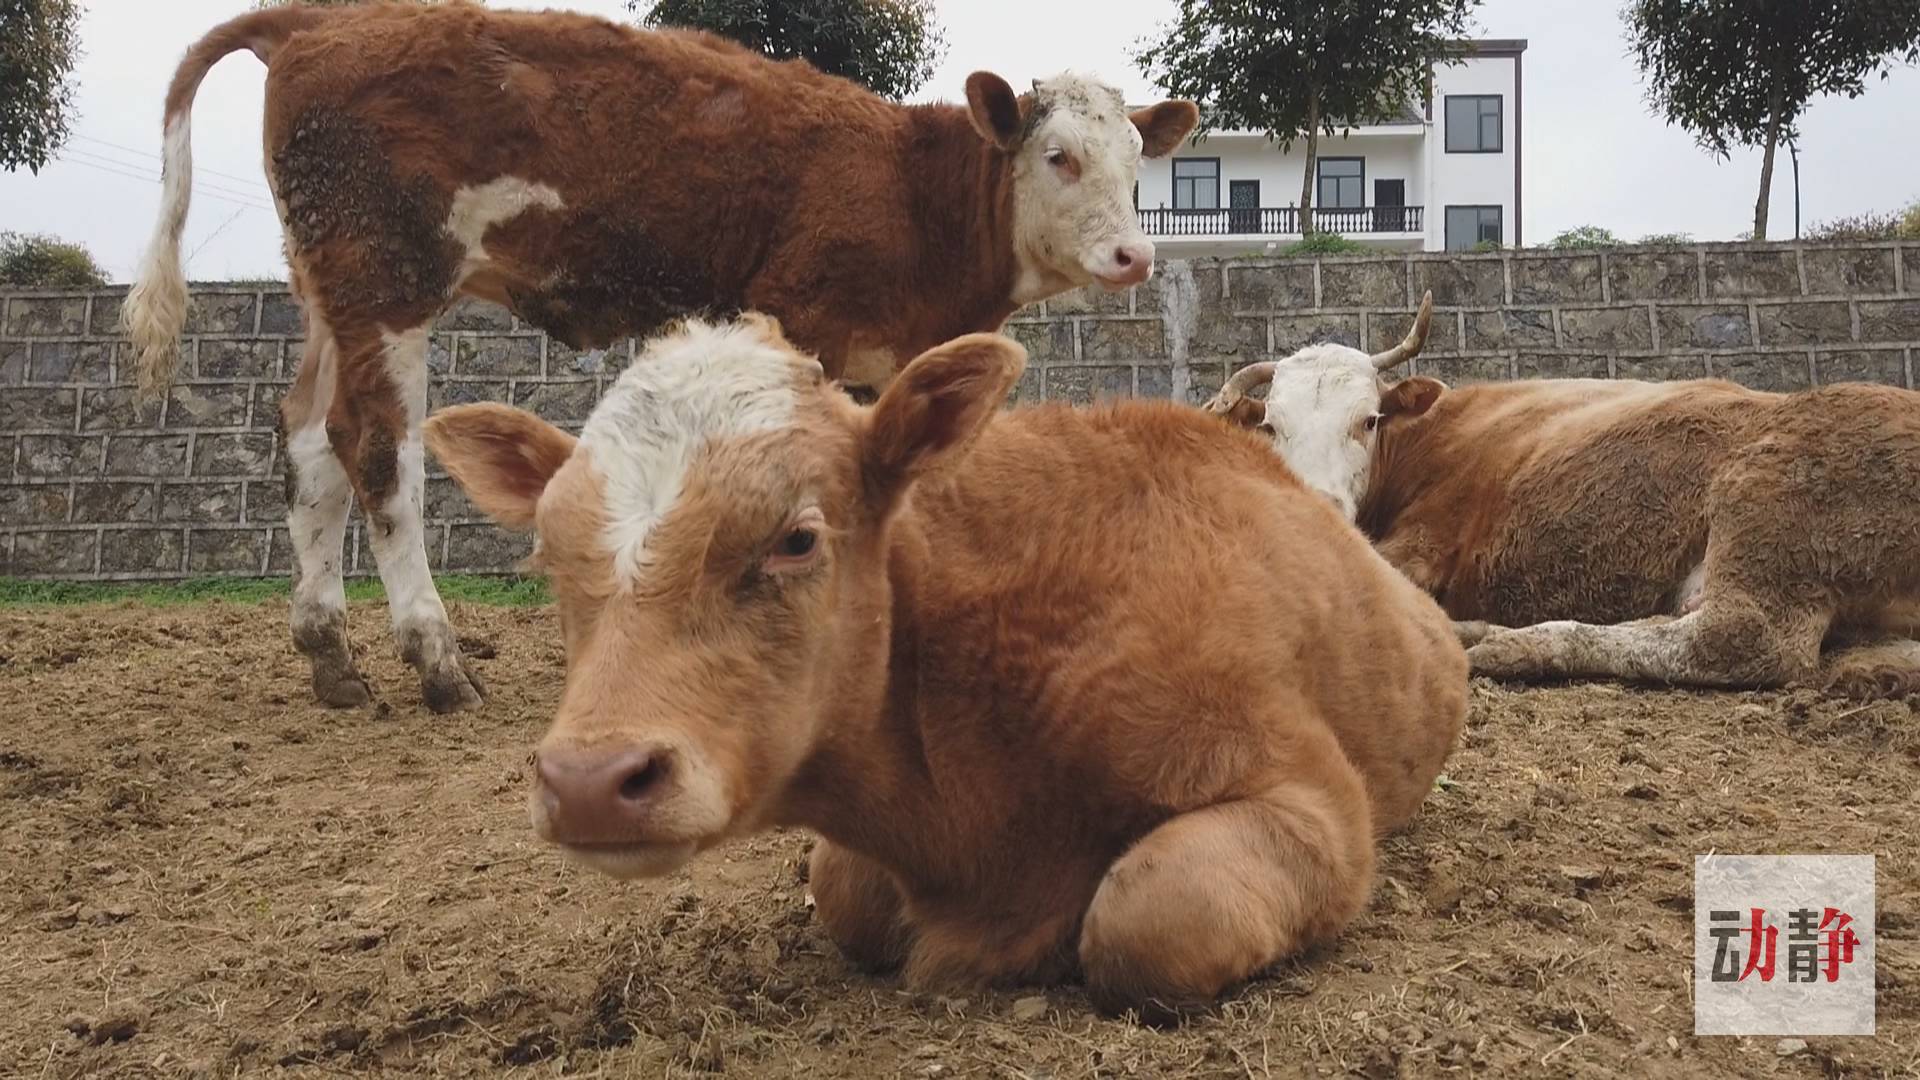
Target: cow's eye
1373, 421
1056, 156
798, 548
798, 544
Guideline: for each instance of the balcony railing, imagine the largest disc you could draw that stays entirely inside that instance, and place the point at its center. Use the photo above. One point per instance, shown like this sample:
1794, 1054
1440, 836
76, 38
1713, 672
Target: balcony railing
1281, 221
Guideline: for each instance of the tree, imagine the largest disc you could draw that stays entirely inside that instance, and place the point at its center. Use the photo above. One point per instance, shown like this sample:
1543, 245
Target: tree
39, 44
1300, 68
1741, 72
30, 259
889, 46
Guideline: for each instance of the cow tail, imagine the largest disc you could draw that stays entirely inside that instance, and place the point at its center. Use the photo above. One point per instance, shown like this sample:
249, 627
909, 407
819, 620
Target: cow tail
156, 306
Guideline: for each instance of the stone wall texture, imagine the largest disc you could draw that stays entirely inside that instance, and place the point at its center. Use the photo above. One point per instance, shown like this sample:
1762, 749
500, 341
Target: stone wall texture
92, 487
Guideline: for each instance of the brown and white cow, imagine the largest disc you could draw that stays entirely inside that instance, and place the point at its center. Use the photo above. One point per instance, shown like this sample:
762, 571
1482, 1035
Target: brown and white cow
597, 180
1694, 533
1149, 733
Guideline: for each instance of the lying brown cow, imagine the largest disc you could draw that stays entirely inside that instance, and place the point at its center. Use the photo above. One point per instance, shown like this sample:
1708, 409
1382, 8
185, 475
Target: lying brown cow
598, 179
1731, 533
1151, 731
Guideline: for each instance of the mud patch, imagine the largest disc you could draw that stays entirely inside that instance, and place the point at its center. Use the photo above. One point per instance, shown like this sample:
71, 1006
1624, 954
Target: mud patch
200, 869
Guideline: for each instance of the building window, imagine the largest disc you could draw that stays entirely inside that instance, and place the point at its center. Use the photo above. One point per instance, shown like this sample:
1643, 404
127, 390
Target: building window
1196, 183
1343, 183
1473, 124
1471, 226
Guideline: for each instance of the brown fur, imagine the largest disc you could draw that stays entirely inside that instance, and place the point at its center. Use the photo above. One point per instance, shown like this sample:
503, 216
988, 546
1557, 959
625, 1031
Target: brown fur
1148, 733
1525, 503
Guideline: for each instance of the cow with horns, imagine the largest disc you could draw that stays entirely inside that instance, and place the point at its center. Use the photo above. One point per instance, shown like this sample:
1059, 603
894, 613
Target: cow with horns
1695, 533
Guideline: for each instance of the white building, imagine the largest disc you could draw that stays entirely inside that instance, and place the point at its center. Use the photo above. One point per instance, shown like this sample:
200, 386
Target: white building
1444, 175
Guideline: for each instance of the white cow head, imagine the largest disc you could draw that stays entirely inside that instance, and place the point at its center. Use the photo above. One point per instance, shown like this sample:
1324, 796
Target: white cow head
1326, 406
1075, 152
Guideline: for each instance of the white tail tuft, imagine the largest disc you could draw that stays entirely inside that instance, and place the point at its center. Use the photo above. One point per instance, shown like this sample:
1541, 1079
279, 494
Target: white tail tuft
156, 306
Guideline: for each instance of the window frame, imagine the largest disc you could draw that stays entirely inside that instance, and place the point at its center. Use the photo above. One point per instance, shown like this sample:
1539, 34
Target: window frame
1174, 174
1480, 118
1480, 209
1320, 178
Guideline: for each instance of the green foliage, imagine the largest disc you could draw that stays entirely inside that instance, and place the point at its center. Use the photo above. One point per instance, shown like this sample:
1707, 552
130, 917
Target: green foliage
1724, 70
1741, 72
471, 588
1296, 69
889, 46
1667, 239
1584, 238
34, 260
1876, 225
39, 44
1484, 246
1325, 243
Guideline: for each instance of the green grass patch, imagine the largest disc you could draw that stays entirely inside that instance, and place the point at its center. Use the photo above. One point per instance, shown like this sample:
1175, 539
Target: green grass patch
472, 588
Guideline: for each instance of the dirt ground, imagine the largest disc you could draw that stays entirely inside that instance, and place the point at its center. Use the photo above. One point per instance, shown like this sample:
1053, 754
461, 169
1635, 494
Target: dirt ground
203, 874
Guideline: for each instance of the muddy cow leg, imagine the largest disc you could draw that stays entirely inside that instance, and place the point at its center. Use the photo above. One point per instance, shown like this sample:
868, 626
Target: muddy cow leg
379, 418
318, 500
1217, 894
860, 907
1734, 639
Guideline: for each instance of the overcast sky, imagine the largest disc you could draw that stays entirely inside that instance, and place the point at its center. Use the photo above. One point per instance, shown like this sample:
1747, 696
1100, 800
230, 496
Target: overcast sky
1594, 155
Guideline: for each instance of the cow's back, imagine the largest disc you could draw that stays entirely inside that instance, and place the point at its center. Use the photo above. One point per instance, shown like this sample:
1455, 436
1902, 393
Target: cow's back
1566, 499
1154, 600
618, 177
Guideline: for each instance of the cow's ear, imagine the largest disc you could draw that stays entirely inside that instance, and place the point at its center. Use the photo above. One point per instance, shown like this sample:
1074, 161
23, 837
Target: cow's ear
994, 110
931, 412
1163, 126
1409, 398
502, 457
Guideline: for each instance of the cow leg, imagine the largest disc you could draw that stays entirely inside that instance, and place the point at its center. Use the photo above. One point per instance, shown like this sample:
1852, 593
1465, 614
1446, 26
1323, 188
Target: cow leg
385, 409
860, 907
1731, 640
318, 501
1215, 895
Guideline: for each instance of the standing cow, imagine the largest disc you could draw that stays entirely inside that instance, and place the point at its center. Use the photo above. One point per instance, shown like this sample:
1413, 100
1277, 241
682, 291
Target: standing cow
597, 179
1700, 533
1149, 732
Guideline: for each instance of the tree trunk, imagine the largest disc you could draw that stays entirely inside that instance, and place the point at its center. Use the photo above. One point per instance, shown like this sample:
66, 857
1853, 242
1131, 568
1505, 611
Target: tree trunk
1313, 158
1766, 170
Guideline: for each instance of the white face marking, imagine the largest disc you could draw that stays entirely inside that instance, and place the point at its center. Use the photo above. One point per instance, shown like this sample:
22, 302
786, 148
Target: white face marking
1070, 231
1317, 406
477, 209
699, 385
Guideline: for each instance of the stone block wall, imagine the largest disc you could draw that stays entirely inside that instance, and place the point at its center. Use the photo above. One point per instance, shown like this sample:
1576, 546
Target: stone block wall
92, 487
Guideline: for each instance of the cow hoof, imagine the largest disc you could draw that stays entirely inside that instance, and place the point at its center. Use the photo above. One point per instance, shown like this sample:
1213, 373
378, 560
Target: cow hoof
452, 689
1503, 656
341, 690
1474, 632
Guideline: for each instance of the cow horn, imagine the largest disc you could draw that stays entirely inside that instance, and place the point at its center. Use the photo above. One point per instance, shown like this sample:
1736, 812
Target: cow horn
1415, 339
1239, 383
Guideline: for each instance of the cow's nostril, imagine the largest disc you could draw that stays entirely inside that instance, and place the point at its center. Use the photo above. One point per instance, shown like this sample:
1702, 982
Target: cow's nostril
636, 784
1122, 258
